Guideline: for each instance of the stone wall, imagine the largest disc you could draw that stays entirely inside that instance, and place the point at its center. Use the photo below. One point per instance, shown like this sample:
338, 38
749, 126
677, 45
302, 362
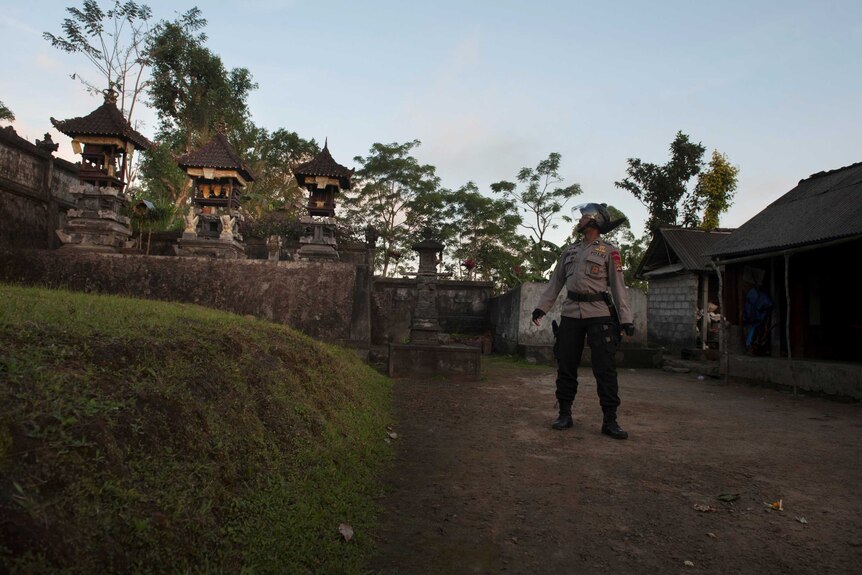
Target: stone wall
462, 307
328, 301
671, 311
34, 193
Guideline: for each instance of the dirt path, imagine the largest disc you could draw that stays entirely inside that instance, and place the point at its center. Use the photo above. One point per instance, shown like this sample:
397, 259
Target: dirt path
481, 484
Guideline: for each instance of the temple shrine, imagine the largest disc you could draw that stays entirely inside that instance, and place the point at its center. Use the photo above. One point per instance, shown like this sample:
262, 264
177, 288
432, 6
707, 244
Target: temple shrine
106, 142
425, 353
324, 178
213, 222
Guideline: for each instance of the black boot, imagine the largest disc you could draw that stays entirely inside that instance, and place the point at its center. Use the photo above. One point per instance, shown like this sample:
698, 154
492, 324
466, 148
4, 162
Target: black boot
564, 421
611, 428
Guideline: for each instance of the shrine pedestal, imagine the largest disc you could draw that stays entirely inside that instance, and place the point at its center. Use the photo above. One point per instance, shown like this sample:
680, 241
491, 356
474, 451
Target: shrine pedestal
210, 248
96, 223
318, 239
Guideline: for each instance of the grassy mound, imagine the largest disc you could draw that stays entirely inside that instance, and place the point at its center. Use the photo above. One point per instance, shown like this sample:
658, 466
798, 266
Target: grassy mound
146, 437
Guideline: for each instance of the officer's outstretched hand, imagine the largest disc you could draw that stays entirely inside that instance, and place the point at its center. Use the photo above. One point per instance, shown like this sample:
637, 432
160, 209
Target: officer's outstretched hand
537, 316
629, 328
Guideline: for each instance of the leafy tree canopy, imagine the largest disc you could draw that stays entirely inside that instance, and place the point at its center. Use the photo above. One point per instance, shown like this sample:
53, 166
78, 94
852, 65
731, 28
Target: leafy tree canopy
6, 113
191, 90
272, 157
485, 239
664, 189
397, 195
714, 192
540, 199
114, 41
661, 188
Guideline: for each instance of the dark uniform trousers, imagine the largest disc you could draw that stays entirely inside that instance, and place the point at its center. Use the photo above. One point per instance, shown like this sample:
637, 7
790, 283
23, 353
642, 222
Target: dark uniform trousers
603, 339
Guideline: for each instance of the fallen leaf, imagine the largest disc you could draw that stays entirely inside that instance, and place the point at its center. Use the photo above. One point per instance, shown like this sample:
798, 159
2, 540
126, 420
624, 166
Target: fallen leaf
704, 508
346, 531
713, 535
728, 497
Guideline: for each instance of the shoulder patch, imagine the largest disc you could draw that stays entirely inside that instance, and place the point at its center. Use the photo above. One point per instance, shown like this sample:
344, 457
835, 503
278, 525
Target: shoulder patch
617, 260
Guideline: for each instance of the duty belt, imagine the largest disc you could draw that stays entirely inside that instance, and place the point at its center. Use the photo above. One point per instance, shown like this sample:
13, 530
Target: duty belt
586, 296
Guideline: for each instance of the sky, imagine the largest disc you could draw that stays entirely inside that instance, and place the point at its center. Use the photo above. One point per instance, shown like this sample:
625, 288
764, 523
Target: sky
489, 87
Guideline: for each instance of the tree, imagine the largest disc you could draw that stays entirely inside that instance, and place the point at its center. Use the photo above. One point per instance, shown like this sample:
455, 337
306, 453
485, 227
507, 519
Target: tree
714, 193
632, 250
485, 236
6, 113
272, 157
541, 200
191, 91
114, 41
162, 179
661, 188
396, 194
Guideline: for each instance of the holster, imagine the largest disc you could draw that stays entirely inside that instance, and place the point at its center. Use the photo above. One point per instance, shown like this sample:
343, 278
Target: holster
615, 318
556, 328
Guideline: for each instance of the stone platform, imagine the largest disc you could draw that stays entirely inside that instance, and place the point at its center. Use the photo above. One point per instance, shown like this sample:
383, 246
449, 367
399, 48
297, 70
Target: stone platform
417, 359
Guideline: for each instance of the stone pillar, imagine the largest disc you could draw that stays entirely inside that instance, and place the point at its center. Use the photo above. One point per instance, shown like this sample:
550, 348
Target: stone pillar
371, 237
425, 328
53, 217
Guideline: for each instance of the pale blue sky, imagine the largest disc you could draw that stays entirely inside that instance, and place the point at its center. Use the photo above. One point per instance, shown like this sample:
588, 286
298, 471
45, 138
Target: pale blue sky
490, 87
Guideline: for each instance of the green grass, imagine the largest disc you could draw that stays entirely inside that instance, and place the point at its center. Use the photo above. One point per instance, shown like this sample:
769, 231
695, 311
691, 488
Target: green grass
147, 437
507, 361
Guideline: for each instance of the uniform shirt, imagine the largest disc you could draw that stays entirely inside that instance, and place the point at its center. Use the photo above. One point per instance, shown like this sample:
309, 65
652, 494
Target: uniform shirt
588, 268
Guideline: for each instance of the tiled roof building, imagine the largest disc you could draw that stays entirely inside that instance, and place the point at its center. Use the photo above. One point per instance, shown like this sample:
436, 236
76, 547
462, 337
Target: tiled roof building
106, 121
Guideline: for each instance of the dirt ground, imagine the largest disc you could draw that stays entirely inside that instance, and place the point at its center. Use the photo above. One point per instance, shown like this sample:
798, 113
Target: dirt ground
481, 484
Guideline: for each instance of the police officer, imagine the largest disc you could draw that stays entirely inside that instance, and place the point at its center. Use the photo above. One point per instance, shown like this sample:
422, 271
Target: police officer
591, 272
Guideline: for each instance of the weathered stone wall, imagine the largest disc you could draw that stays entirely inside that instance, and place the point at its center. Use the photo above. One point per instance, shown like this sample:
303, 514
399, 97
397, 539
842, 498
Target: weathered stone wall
322, 300
462, 307
34, 193
671, 311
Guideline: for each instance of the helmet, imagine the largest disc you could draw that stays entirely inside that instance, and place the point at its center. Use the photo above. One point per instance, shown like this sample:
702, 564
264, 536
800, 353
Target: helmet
598, 215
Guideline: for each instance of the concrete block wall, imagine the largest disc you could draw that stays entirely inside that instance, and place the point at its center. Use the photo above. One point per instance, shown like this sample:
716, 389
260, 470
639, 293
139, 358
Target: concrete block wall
671, 309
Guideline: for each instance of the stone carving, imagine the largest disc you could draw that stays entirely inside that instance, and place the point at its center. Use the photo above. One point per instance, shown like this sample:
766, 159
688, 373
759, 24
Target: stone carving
227, 224
191, 223
47, 144
371, 236
273, 244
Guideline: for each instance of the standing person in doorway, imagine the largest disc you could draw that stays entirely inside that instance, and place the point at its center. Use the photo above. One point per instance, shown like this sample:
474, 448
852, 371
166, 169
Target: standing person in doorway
596, 309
